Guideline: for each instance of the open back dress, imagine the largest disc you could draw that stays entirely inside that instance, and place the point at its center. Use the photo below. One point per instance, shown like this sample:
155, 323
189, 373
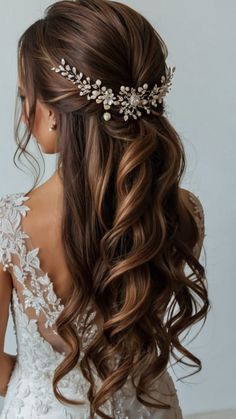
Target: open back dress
35, 308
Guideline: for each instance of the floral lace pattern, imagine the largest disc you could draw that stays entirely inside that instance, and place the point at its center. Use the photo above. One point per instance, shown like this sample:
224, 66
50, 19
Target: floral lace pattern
30, 393
40, 295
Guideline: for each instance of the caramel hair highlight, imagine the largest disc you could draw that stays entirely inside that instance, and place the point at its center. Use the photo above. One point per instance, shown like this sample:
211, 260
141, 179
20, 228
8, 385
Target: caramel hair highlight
124, 217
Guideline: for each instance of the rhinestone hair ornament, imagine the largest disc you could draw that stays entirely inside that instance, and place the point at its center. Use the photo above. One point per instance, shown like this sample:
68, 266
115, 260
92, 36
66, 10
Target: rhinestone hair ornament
129, 100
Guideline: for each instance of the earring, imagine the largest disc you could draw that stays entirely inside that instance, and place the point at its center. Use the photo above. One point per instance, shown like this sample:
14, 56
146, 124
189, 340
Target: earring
52, 126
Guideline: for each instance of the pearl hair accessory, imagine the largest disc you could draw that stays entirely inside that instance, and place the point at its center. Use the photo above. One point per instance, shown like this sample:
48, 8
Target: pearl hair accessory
128, 99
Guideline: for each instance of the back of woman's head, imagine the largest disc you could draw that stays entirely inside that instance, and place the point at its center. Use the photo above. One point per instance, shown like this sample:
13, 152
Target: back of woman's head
124, 217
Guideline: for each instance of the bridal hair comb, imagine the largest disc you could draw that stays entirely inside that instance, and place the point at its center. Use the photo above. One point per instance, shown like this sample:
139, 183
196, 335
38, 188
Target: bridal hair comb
129, 99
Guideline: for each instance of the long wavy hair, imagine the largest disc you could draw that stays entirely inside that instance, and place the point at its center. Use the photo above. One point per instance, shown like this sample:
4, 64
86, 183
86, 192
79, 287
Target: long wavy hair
124, 218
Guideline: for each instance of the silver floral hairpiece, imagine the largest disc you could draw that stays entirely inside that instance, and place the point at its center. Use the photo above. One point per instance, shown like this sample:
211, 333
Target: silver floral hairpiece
128, 99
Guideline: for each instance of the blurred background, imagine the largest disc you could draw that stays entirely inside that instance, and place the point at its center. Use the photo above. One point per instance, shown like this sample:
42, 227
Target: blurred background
200, 39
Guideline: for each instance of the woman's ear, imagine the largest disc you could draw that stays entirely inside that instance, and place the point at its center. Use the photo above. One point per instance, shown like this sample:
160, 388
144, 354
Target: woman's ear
52, 121
45, 128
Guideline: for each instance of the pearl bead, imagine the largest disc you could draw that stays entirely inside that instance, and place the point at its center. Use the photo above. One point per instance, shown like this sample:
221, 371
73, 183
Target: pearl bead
107, 116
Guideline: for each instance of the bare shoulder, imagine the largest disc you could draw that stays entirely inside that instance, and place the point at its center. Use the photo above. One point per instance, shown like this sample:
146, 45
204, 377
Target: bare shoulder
45, 202
40, 192
48, 193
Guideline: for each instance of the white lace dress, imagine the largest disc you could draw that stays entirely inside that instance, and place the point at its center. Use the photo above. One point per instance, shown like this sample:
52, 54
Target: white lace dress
35, 307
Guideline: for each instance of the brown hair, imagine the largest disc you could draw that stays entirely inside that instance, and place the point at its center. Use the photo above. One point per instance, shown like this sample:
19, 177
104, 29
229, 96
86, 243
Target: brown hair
124, 219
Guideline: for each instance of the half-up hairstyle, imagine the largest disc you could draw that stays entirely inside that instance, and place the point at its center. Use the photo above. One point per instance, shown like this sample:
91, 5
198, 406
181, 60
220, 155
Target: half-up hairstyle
127, 231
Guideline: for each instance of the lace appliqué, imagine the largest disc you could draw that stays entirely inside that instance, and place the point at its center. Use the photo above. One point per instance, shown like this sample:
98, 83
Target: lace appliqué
40, 296
31, 382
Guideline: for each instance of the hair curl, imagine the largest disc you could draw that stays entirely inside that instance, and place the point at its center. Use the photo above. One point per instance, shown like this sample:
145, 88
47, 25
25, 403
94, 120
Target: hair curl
127, 231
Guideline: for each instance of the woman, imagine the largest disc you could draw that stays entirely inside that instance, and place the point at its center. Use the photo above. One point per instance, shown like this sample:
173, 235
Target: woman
93, 260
